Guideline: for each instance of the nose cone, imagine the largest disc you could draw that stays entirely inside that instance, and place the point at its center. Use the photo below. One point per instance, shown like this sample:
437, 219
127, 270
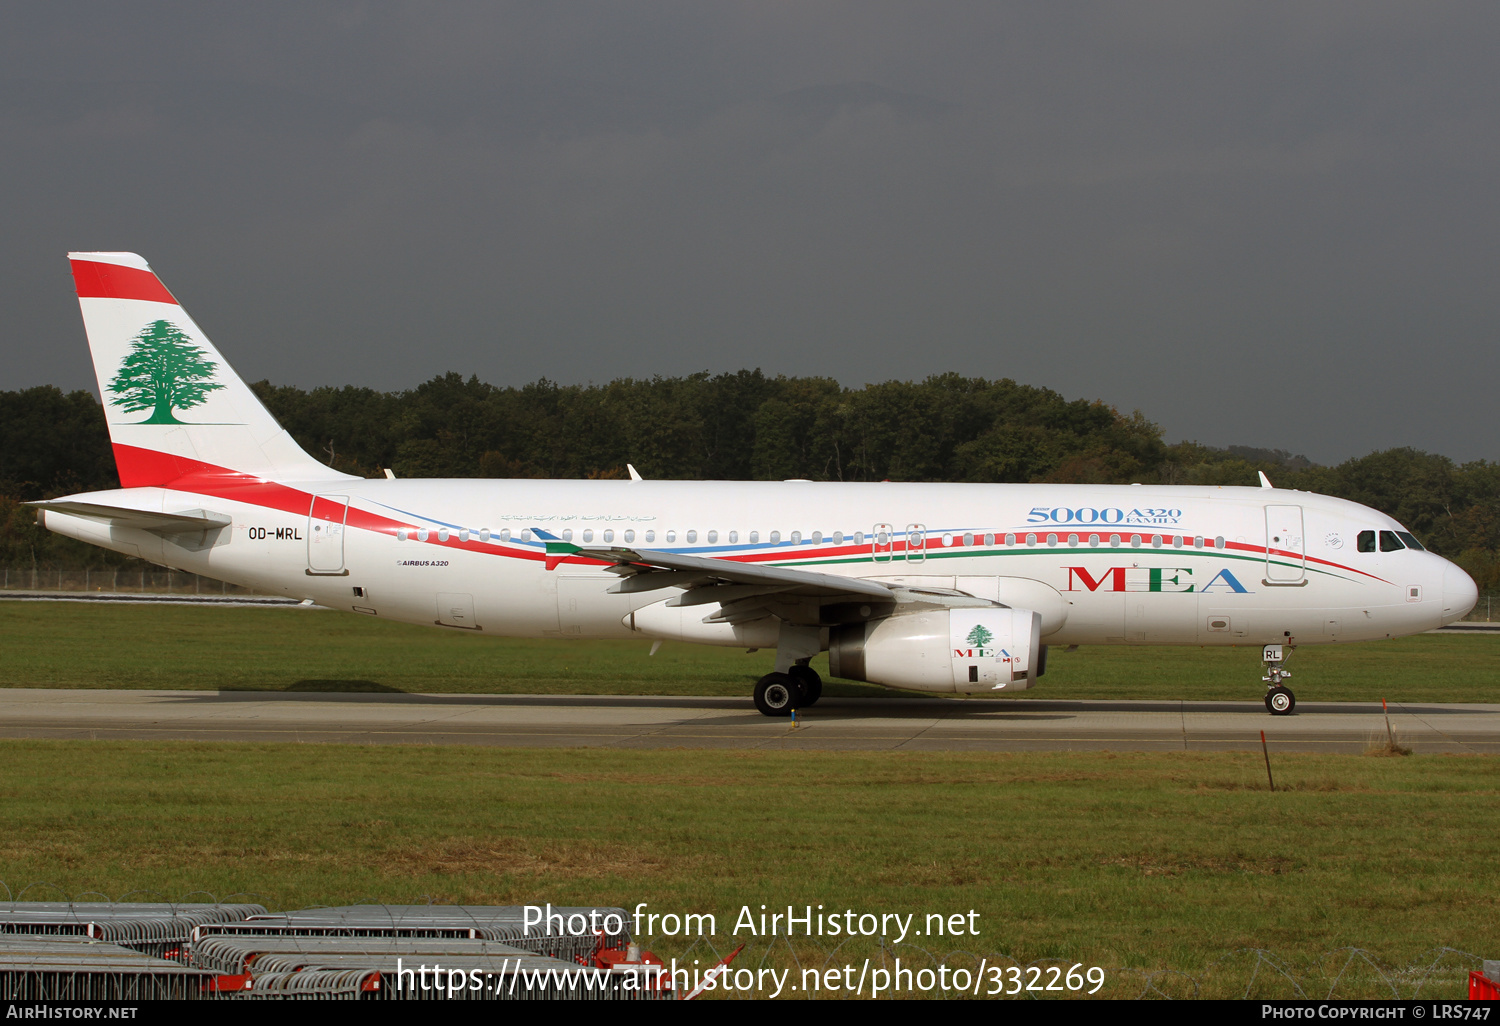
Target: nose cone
1460, 593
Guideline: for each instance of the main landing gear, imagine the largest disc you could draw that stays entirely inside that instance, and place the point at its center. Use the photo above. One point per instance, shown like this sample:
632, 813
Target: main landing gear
794, 685
1279, 699
777, 694
807, 678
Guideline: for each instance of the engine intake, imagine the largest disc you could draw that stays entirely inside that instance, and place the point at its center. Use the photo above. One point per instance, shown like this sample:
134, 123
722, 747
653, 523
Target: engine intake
962, 650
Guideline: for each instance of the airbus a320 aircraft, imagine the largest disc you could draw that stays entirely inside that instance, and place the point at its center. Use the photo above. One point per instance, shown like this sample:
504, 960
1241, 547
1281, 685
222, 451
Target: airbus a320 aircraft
946, 588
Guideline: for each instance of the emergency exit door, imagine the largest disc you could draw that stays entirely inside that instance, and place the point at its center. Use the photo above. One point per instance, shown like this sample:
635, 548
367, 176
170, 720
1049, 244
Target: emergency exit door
916, 543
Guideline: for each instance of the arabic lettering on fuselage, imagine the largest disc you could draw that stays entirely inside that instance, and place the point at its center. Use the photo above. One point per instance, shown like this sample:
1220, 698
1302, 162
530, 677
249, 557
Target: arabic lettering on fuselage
549, 517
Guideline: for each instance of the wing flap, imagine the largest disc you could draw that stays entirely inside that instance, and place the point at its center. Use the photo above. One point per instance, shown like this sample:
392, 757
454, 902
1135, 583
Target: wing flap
684, 570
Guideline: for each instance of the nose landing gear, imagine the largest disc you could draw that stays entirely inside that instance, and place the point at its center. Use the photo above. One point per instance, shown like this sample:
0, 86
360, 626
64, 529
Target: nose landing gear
1279, 699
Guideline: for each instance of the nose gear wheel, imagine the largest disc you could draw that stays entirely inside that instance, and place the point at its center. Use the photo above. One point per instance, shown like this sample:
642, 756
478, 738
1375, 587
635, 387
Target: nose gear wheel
1280, 701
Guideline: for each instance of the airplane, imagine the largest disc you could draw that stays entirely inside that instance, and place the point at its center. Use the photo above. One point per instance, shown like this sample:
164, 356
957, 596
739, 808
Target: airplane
953, 589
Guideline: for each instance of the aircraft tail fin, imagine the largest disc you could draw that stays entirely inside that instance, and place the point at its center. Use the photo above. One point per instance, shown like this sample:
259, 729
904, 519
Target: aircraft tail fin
175, 409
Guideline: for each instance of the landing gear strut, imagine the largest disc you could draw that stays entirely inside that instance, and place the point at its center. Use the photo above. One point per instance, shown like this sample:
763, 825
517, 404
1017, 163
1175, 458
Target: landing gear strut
1279, 699
794, 685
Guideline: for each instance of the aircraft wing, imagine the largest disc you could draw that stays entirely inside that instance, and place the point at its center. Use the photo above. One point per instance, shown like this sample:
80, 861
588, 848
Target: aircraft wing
146, 520
721, 580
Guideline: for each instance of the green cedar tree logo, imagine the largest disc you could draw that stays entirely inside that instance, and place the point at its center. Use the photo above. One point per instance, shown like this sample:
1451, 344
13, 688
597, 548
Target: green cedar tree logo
164, 371
979, 636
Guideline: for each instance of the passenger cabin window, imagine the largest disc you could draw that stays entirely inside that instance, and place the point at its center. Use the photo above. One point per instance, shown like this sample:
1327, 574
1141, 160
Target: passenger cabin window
609, 536
734, 537
671, 536
505, 534
775, 537
692, 537
1366, 541
1411, 541
651, 536
754, 537
588, 536
629, 536
1389, 542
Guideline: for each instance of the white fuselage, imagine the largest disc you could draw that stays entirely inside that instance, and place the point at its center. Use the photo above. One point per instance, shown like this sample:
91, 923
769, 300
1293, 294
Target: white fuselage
1157, 565
964, 583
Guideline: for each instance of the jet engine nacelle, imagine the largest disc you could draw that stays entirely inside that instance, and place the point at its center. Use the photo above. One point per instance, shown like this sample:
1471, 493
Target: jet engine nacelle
965, 650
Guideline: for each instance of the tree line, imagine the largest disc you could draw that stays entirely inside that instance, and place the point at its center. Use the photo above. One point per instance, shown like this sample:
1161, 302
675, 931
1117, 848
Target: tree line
741, 426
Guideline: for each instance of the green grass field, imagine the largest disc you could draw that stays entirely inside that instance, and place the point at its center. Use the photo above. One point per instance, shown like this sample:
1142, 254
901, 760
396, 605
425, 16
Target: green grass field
80, 645
1167, 869
1132, 862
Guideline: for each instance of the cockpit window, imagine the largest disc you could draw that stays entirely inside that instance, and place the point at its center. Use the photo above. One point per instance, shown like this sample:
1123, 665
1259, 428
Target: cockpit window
1389, 542
1367, 541
1411, 542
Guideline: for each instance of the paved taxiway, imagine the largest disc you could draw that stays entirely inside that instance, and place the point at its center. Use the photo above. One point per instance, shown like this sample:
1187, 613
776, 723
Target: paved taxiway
835, 724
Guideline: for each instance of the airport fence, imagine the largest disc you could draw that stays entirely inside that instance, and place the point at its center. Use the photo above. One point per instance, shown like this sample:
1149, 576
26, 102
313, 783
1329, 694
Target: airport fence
1351, 973
1485, 610
115, 582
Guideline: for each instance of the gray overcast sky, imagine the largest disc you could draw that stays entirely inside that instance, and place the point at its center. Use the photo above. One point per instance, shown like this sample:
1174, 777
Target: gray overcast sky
1264, 224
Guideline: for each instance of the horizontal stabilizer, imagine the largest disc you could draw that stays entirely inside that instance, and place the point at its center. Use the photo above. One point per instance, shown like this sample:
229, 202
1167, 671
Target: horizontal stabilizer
142, 520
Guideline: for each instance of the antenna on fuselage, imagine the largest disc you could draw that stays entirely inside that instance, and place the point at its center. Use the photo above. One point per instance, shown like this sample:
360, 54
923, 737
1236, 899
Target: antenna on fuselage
1265, 482
635, 475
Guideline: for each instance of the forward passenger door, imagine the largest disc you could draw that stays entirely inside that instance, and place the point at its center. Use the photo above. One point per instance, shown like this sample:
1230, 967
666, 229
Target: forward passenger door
1286, 554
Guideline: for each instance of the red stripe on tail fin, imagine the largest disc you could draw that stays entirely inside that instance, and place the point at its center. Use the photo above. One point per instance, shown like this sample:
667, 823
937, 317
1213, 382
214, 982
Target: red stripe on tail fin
113, 281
